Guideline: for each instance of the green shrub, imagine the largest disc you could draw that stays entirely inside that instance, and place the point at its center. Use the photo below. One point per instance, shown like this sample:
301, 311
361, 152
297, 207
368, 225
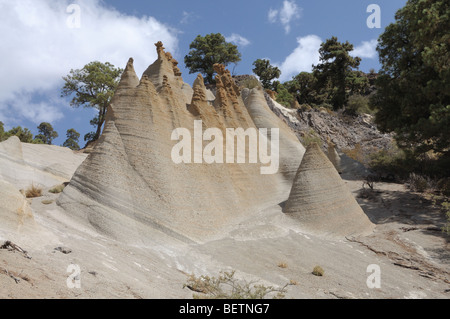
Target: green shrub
443, 204
57, 189
310, 137
283, 96
318, 271
228, 287
47, 201
250, 83
358, 104
443, 186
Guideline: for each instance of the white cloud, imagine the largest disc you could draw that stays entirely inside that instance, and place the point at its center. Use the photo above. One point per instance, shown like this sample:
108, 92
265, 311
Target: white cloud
272, 15
238, 39
38, 48
367, 49
289, 11
23, 107
187, 17
302, 58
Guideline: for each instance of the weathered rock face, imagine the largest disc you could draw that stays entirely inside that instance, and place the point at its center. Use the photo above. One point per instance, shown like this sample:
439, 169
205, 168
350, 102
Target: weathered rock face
129, 185
321, 201
15, 211
23, 164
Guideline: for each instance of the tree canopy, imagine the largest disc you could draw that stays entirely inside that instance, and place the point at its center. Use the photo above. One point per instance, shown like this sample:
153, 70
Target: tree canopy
413, 88
23, 134
335, 68
209, 50
46, 133
92, 86
266, 72
72, 139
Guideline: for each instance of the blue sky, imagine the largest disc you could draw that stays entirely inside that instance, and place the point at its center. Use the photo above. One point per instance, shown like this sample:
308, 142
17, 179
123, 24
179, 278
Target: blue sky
43, 39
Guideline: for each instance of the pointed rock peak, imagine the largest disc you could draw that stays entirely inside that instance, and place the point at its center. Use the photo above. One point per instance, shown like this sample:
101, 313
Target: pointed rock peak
321, 201
314, 158
12, 148
226, 88
129, 78
199, 90
162, 55
220, 69
165, 65
147, 84
199, 81
227, 80
160, 49
333, 155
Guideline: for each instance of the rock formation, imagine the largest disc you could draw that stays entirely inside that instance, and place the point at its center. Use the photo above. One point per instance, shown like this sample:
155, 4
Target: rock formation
320, 200
15, 211
129, 186
333, 155
23, 164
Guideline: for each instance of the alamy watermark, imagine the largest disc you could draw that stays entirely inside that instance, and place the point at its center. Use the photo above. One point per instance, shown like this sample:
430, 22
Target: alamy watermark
374, 20
74, 279
213, 152
374, 279
74, 19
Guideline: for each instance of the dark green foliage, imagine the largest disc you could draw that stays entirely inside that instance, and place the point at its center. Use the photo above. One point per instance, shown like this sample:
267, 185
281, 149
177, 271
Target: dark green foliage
303, 86
46, 133
357, 82
89, 137
72, 139
2, 131
209, 50
266, 72
413, 88
23, 134
93, 86
283, 96
358, 104
335, 68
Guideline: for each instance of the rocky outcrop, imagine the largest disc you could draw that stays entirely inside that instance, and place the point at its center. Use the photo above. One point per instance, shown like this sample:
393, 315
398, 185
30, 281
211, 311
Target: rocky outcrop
333, 155
320, 200
23, 164
15, 211
130, 186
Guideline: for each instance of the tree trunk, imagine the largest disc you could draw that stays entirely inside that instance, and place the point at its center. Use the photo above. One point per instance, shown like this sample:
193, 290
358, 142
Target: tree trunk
101, 120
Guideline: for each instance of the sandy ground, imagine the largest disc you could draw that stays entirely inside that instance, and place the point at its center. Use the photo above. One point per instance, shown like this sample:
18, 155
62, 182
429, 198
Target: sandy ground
413, 255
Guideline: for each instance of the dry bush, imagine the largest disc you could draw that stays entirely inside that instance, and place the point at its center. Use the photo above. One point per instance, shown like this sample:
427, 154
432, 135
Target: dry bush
419, 183
356, 153
47, 201
282, 265
33, 191
228, 287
